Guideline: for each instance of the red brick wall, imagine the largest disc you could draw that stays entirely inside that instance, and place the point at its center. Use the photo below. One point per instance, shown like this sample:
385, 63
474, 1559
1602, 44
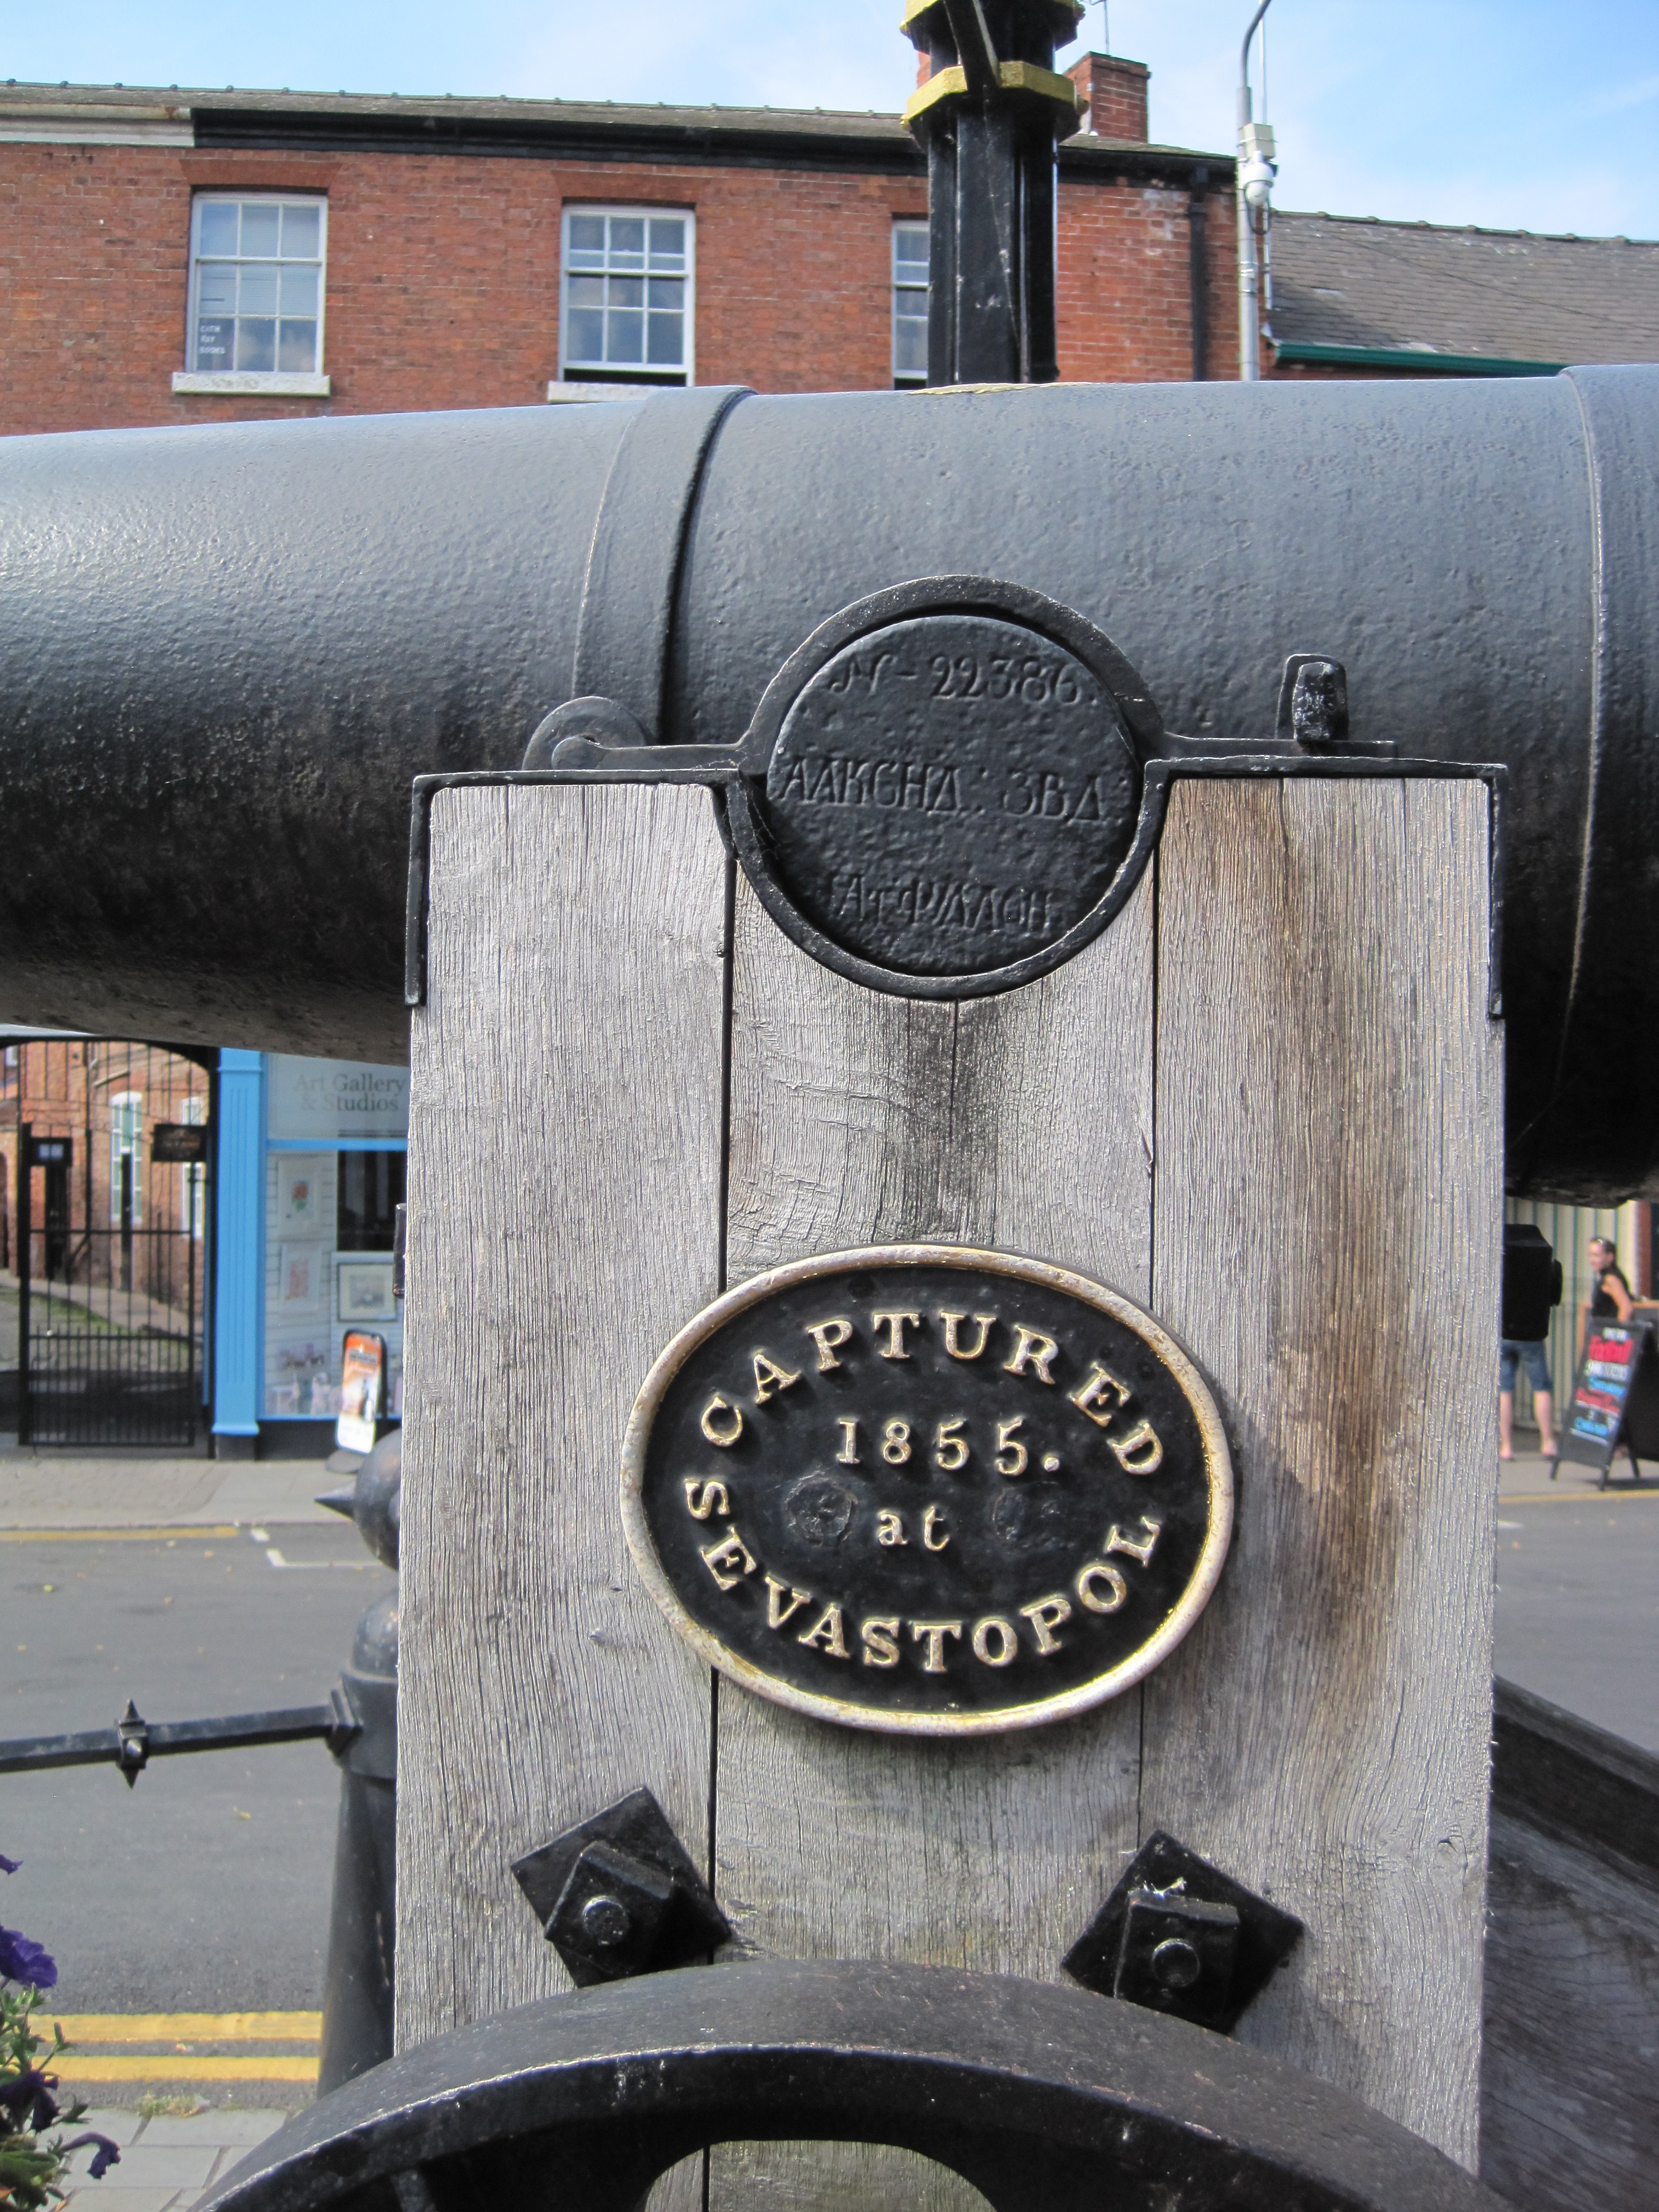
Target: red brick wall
442, 284
1126, 284
442, 281
1222, 239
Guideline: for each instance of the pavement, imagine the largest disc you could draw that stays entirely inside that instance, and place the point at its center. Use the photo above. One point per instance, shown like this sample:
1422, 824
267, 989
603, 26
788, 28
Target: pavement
59, 1489
168, 2158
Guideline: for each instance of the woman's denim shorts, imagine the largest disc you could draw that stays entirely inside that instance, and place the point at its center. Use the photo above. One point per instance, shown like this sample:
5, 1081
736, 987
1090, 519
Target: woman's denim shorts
1532, 1356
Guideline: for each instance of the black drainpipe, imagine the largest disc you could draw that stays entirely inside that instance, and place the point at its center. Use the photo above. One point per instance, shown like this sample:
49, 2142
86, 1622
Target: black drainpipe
1198, 227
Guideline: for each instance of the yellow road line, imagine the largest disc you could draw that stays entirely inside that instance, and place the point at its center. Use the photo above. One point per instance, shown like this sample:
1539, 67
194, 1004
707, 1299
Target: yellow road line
189, 2026
1573, 1496
127, 2066
176, 1534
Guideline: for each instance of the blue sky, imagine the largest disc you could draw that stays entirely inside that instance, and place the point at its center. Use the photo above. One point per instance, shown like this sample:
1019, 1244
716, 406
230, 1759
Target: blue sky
1503, 112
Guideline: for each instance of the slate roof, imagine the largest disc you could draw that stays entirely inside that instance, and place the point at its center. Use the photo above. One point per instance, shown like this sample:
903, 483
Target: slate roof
592, 130
1344, 281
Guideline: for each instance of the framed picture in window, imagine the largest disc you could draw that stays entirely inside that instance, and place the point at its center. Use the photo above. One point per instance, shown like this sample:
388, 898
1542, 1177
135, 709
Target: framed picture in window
301, 1373
300, 1184
363, 1288
299, 1279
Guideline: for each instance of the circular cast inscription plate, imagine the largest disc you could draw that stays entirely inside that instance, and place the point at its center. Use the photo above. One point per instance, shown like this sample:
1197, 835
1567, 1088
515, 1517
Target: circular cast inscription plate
927, 1489
950, 794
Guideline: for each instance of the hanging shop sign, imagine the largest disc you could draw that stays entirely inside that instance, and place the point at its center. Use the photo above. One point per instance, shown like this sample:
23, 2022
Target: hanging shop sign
928, 1489
178, 1144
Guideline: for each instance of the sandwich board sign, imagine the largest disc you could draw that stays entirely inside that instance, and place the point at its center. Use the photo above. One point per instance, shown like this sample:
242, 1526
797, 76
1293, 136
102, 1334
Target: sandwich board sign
1615, 1398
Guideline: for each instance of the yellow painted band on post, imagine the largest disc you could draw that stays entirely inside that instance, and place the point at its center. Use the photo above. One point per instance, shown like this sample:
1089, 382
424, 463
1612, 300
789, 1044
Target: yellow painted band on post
115, 1536
128, 2066
1026, 76
1015, 76
940, 87
189, 2026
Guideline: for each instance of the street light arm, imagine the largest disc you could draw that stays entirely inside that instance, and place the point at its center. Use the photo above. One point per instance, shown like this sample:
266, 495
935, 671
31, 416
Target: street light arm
1249, 174
1244, 62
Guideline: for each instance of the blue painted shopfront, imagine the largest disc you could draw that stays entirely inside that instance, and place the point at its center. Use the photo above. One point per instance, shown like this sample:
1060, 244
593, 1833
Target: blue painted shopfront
310, 1170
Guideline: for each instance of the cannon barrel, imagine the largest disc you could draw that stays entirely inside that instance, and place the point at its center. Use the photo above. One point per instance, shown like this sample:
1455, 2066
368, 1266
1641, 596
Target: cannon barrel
227, 650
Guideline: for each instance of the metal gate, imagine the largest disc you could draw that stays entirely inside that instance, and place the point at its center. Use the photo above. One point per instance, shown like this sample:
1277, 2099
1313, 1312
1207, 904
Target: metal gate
111, 1217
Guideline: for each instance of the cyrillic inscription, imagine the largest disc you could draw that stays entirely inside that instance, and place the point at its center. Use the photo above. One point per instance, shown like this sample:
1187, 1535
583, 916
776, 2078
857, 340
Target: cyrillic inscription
949, 794
947, 1490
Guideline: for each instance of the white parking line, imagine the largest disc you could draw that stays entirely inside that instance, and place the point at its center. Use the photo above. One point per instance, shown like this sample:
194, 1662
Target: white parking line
299, 1566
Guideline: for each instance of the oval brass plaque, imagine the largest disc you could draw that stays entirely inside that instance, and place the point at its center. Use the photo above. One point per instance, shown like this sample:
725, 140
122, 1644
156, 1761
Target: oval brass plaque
927, 1489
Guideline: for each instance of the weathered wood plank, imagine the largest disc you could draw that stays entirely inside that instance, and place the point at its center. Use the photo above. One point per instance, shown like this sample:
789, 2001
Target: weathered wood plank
565, 1180
1327, 1145
1328, 1202
1022, 1122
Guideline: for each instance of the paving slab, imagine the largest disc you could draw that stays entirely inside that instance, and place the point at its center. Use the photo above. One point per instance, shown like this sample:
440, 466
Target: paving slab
167, 2162
165, 2166
232, 2130
115, 2121
112, 2195
60, 1490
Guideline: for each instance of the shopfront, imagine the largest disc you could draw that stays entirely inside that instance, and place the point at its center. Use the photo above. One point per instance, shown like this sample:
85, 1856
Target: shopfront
310, 1174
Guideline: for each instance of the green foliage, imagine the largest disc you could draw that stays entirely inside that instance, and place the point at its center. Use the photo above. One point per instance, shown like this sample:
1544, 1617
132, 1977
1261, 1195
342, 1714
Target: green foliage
32, 2158
150, 2106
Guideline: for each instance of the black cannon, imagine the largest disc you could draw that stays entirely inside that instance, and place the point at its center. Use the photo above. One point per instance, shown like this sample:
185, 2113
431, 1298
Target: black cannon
226, 655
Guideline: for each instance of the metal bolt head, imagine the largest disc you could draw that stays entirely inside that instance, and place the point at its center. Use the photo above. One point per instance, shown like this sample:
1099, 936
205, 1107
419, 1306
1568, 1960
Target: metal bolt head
609, 1915
606, 1921
1176, 1954
1319, 703
1176, 1965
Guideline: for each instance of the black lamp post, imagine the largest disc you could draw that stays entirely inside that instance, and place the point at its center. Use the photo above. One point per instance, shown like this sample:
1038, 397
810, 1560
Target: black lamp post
988, 116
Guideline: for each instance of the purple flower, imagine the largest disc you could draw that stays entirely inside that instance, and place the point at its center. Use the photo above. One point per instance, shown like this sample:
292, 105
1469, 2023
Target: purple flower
28, 2100
21, 1960
9, 1866
106, 2156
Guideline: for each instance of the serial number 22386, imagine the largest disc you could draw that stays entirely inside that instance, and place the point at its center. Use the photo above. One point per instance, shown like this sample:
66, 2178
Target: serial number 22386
1028, 676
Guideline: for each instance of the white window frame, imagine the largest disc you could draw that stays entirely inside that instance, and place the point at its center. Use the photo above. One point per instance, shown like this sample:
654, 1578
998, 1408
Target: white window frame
192, 1177
310, 385
126, 1119
639, 374
907, 380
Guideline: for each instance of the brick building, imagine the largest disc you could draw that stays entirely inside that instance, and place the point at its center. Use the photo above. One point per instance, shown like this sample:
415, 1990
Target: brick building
183, 257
